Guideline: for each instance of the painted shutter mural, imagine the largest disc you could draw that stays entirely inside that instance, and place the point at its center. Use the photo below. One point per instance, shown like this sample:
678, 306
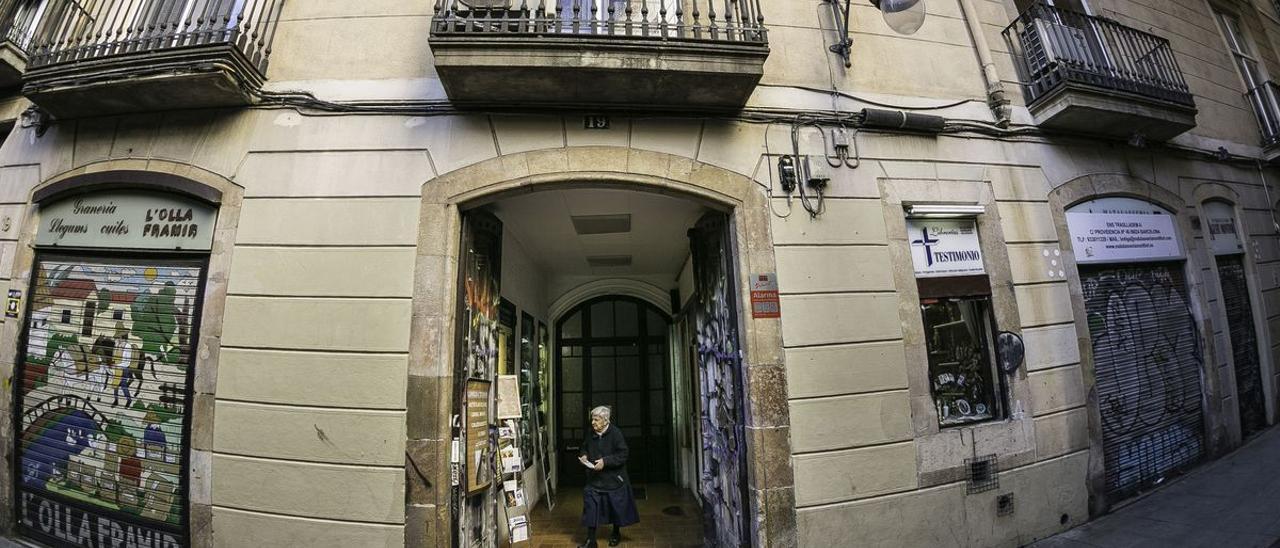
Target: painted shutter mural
1244, 343
1147, 356
103, 401
722, 476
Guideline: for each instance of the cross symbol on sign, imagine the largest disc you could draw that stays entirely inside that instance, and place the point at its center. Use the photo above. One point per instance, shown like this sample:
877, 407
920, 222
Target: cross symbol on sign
927, 243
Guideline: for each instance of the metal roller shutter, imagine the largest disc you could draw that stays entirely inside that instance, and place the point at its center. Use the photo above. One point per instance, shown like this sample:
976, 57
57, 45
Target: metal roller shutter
1147, 359
102, 404
1244, 343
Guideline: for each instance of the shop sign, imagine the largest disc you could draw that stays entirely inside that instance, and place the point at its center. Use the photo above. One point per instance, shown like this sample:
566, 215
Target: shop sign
53, 521
127, 220
945, 247
1220, 224
1110, 237
764, 296
479, 453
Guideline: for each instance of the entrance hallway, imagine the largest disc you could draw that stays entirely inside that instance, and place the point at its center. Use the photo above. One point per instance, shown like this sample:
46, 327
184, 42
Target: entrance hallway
1234, 502
669, 518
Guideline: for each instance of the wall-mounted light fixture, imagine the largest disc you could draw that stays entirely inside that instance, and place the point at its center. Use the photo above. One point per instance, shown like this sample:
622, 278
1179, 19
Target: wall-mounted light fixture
938, 211
903, 16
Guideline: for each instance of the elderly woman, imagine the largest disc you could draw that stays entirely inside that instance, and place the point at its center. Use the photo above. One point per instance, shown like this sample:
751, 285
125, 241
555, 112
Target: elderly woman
607, 497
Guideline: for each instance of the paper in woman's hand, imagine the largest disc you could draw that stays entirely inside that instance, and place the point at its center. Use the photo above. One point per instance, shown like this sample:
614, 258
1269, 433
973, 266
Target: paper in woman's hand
585, 462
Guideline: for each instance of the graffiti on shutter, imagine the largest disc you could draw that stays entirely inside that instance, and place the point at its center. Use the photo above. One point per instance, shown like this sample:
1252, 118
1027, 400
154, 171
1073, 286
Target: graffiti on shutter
720, 375
104, 395
1244, 343
1147, 363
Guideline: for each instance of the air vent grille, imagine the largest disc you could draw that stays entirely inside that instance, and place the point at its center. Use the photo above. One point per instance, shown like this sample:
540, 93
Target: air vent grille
586, 225
983, 473
605, 261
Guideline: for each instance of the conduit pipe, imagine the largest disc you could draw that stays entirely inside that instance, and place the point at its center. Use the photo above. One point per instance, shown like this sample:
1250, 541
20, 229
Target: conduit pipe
997, 98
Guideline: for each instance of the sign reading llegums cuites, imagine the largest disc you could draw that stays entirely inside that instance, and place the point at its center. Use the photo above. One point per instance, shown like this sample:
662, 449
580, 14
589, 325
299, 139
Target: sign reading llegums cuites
127, 220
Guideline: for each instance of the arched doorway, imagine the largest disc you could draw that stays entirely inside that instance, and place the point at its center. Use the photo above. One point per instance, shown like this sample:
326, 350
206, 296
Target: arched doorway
735, 245
613, 351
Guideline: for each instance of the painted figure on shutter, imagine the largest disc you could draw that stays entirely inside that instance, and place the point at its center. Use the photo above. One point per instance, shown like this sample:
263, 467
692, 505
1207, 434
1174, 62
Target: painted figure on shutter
104, 386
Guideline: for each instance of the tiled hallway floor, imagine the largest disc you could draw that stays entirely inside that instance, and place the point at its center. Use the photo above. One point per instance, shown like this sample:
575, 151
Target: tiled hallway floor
561, 528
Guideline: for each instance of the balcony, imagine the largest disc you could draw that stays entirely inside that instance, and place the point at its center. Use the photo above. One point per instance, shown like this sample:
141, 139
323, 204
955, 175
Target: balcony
629, 54
1265, 100
1087, 74
16, 31
118, 56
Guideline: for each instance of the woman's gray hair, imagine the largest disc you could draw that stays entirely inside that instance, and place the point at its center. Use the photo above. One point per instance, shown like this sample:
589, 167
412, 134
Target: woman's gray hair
601, 411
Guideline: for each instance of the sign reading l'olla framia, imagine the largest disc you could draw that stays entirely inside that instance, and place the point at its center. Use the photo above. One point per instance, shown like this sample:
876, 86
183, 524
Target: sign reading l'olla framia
945, 247
1109, 238
128, 220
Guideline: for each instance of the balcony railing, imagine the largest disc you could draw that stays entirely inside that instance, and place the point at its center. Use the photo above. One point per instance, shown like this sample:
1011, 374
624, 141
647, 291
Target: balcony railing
72, 32
1056, 47
19, 24
671, 21
1265, 100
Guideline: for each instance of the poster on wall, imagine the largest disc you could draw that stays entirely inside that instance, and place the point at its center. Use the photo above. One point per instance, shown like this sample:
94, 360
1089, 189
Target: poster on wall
1122, 238
508, 397
1220, 226
945, 247
479, 449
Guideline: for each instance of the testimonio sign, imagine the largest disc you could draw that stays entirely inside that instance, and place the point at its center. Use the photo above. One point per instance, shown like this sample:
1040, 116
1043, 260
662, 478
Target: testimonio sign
1113, 237
127, 220
945, 247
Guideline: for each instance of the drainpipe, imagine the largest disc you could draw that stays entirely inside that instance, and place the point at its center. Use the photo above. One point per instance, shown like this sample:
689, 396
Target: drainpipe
997, 98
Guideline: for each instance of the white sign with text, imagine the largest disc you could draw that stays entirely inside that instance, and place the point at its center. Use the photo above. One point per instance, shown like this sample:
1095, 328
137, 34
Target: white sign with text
1115, 238
127, 220
945, 247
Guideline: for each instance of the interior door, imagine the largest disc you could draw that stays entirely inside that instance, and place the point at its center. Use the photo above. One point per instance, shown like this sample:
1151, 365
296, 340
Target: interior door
613, 352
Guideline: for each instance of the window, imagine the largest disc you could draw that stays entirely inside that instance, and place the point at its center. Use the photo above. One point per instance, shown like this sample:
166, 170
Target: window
66, 316
1260, 92
962, 375
90, 310
955, 308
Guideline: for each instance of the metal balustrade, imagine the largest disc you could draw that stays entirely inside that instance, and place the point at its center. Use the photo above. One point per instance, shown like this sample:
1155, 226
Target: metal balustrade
1265, 100
1054, 47
738, 22
71, 31
18, 23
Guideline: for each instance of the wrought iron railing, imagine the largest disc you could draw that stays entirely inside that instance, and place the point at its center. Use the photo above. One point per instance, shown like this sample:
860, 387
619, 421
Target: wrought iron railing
18, 24
690, 21
1265, 100
68, 31
1054, 47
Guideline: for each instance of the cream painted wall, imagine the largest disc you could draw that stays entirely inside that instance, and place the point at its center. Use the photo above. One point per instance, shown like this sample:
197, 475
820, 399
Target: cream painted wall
310, 413
335, 198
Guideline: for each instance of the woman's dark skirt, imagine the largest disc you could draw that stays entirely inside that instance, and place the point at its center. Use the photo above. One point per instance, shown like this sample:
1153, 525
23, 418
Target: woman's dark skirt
617, 506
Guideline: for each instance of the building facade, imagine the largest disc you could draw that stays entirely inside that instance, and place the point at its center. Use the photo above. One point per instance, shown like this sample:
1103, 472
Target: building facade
326, 273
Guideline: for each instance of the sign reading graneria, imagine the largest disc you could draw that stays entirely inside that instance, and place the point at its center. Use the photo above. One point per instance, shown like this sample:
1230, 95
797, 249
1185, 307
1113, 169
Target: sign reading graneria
134, 220
945, 247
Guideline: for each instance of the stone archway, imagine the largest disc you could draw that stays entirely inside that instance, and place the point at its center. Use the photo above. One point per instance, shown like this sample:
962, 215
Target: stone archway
609, 286
432, 331
1106, 185
159, 176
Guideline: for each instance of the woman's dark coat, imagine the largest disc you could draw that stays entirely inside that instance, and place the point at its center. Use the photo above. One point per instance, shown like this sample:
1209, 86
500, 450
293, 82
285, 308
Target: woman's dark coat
607, 497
